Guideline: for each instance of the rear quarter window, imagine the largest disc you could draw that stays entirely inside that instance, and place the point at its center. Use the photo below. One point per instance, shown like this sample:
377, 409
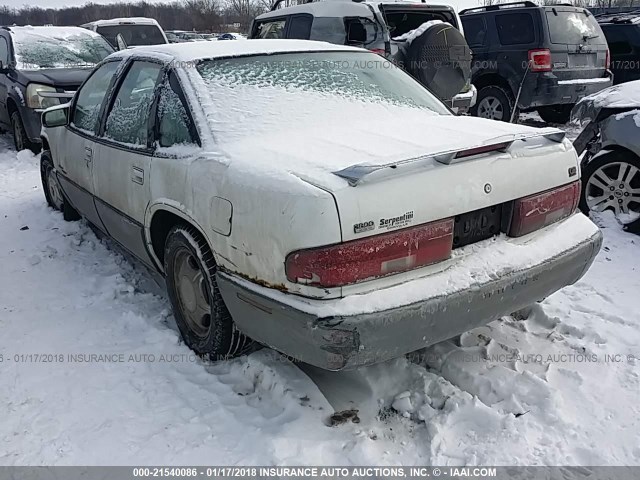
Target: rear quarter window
515, 28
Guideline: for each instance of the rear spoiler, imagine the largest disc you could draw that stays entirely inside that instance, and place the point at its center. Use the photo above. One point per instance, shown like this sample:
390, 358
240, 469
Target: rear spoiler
354, 174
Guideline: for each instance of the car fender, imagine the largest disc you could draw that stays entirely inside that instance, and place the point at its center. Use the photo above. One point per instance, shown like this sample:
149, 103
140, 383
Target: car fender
621, 130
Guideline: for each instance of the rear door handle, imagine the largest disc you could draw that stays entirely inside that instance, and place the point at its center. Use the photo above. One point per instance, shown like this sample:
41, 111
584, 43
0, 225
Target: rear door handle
137, 175
88, 155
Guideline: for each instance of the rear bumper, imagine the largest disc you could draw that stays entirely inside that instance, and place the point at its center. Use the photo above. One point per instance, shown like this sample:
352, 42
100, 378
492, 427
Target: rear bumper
336, 335
544, 89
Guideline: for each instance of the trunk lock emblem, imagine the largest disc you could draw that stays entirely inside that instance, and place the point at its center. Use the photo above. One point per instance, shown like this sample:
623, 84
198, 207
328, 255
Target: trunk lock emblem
487, 188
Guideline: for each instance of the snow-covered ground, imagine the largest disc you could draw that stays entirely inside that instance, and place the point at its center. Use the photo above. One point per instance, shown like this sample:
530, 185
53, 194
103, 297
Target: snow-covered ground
536, 389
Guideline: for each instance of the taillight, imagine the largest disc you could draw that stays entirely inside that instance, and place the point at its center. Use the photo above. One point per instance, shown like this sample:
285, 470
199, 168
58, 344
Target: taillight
540, 60
379, 51
496, 147
371, 257
539, 210
607, 60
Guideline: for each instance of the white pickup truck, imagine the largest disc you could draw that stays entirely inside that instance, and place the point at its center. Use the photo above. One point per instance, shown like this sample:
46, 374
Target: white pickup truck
315, 198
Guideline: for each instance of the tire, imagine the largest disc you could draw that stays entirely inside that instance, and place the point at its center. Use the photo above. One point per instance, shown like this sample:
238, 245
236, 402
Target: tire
601, 179
495, 103
52, 191
555, 113
441, 60
20, 139
202, 317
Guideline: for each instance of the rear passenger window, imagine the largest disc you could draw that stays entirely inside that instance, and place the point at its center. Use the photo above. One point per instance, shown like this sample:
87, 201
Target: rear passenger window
618, 41
273, 29
300, 27
175, 127
128, 119
475, 31
515, 28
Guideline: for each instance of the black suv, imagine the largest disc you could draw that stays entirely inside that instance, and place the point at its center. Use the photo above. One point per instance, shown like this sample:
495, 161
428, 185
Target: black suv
528, 57
623, 35
41, 67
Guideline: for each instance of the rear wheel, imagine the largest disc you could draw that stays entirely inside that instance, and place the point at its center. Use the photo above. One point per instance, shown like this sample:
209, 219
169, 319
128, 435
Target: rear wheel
494, 103
555, 113
201, 315
20, 138
611, 181
52, 190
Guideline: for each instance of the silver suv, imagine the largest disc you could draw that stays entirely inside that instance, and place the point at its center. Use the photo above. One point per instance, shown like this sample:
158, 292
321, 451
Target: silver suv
425, 40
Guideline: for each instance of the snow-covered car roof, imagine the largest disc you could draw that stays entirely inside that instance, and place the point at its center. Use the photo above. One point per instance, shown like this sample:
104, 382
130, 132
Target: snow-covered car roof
120, 21
189, 52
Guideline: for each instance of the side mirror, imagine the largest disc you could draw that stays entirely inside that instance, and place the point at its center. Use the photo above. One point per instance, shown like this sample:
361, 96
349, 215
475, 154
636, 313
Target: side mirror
57, 117
4, 68
122, 45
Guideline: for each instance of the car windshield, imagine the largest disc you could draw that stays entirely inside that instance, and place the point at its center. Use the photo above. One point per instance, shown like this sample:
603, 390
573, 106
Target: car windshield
573, 27
132, 34
258, 95
58, 47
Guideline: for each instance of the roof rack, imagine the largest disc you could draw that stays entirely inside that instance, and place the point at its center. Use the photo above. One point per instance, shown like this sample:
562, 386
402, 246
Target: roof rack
500, 6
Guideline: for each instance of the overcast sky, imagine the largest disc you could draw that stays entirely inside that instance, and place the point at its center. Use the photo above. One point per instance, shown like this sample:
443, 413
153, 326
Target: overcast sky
69, 3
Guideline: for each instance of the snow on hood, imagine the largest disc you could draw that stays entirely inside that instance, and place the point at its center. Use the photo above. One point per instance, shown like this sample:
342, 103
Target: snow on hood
312, 134
57, 47
625, 95
411, 35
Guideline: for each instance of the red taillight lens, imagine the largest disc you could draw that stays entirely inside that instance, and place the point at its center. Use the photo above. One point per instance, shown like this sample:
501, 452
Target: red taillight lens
540, 60
607, 60
371, 257
379, 51
484, 149
536, 211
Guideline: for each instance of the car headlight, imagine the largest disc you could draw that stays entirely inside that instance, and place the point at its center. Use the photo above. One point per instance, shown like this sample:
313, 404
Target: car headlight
37, 96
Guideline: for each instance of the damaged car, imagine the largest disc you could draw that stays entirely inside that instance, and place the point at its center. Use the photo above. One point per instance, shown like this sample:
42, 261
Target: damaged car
277, 215
610, 144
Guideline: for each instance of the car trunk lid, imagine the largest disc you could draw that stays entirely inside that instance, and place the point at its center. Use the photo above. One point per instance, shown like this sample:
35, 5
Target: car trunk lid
454, 180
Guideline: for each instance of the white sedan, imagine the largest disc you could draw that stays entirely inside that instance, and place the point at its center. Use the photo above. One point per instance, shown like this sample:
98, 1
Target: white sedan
314, 198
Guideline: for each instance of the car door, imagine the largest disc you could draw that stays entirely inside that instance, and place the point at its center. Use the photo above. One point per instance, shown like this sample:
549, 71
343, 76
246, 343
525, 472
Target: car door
75, 151
122, 166
5, 58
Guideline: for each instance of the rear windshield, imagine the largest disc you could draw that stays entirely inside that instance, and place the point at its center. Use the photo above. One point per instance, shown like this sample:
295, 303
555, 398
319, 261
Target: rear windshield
573, 27
132, 34
357, 76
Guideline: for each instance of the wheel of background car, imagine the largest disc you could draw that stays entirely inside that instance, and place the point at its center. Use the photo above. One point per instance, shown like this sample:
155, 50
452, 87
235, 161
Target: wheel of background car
494, 103
555, 113
20, 138
53, 191
441, 60
611, 181
201, 315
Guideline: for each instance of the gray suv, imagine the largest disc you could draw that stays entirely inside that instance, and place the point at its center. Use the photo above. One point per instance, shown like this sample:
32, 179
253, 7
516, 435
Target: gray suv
425, 40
